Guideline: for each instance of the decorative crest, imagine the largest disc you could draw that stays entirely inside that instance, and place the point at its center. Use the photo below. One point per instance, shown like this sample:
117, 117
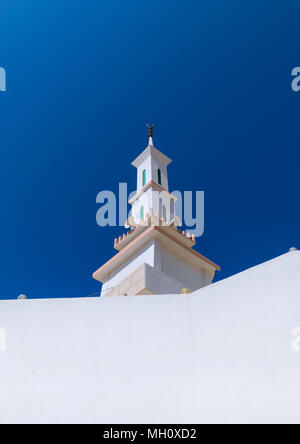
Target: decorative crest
150, 130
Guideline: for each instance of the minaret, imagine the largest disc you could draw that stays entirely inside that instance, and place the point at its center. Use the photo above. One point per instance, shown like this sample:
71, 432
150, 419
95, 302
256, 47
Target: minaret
151, 165
154, 257
152, 197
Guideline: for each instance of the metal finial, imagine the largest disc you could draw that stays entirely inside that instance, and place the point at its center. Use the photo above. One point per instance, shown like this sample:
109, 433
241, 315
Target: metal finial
150, 130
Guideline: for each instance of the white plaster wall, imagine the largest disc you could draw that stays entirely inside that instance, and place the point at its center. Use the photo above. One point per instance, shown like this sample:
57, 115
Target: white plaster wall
151, 165
220, 355
146, 165
146, 255
191, 277
150, 199
175, 273
2, 339
155, 164
146, 200
166, 201
160, 283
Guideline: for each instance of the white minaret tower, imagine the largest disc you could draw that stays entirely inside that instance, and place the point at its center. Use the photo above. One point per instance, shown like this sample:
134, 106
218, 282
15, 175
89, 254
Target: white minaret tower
152, 197
154, 257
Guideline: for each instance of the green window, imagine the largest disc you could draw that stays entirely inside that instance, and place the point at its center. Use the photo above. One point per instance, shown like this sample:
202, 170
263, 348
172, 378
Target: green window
144, 178
142, 213
159, 176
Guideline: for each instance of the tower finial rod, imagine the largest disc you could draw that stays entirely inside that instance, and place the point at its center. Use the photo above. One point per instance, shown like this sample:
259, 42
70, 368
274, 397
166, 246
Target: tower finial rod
150, 131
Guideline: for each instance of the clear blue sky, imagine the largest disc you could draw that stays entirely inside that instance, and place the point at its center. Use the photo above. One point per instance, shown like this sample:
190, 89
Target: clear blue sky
83, 79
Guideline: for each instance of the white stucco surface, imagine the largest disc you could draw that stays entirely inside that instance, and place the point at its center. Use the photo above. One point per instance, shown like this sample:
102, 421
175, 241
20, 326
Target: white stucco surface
146, 165
160, 283
145, 256
190, 276
222, 354
170, 273
150, 160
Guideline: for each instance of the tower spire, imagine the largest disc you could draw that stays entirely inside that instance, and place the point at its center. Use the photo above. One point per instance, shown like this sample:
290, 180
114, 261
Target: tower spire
150, 133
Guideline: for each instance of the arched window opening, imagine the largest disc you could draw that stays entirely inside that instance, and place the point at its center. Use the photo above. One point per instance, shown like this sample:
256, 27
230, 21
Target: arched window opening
144, 178
160, 209
159, 176
142, 213
172, 210
165, 213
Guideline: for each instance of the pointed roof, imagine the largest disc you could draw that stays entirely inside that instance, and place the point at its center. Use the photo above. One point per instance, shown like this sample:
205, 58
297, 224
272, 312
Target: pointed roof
151, 151
154, 152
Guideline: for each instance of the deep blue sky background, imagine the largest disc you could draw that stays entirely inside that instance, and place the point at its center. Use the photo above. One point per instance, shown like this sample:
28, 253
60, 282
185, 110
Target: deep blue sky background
83, 79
